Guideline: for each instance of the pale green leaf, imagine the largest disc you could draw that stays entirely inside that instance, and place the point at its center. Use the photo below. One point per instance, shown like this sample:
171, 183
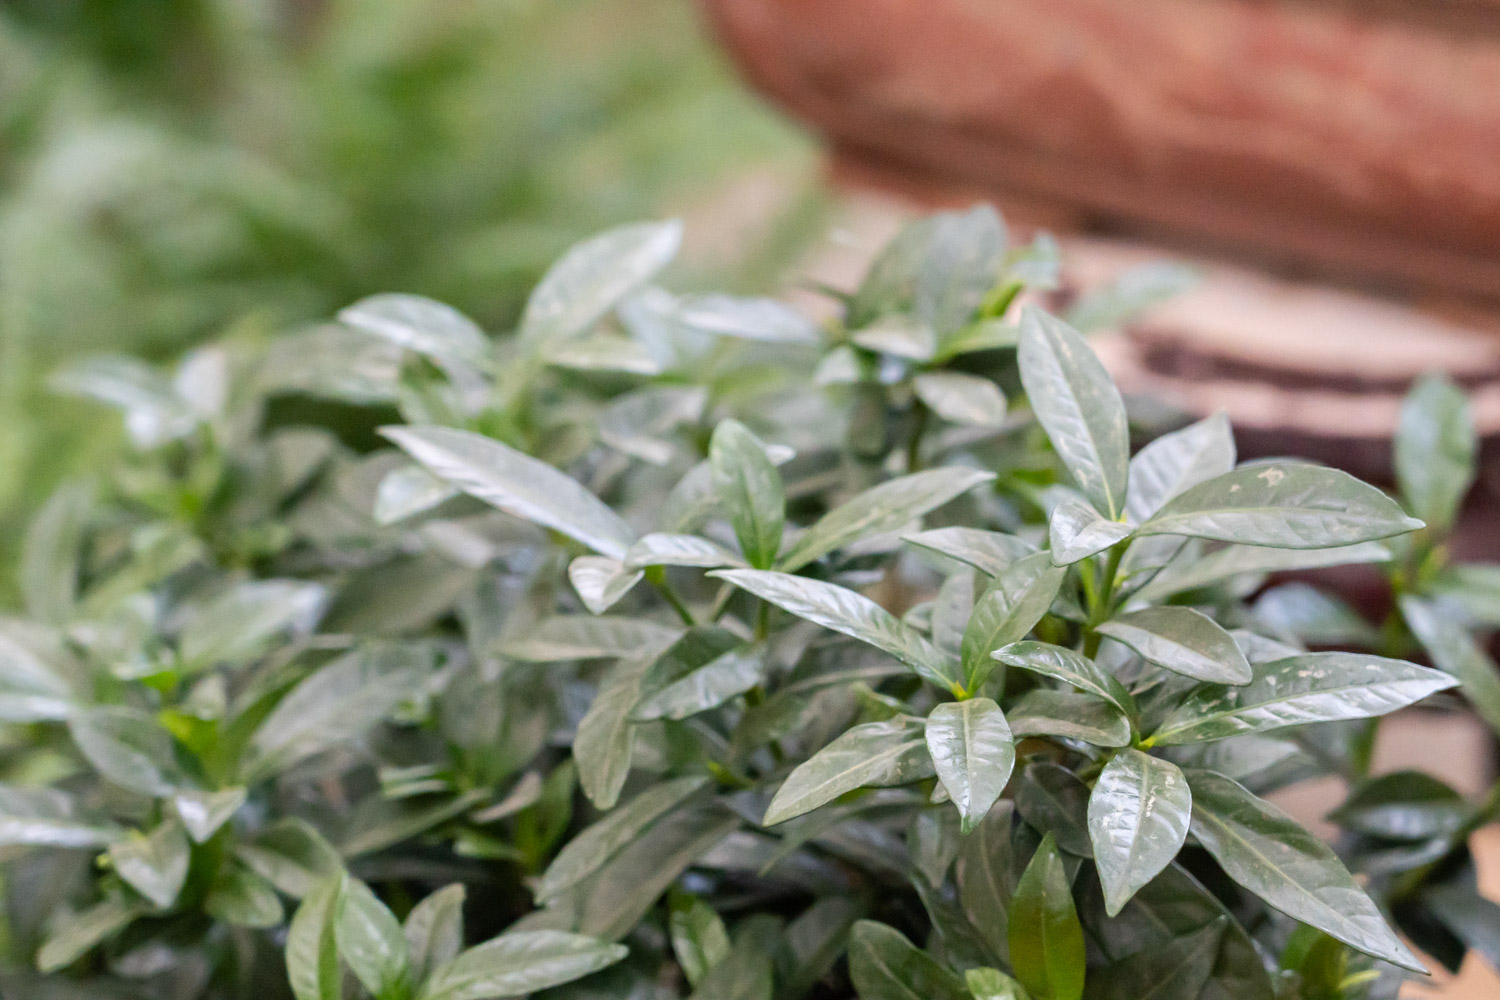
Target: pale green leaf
961, 398
990, 552
1068, 667
1069, 715
312, 957
518, 963
973, 753
1076, 531
1435, 450
1139, 812
886, 966
1012, 605
370, 941
1182, 640
601, 581
1178, 461
893, 752
750, 489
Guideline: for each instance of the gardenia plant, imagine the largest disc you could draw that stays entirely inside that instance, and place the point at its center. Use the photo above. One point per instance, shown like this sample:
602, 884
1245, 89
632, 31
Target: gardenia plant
681, 646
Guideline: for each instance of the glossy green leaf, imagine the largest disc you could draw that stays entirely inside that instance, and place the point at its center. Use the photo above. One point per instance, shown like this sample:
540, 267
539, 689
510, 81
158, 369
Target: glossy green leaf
1182, 640
1012, 605
991, 984
1435, 450
660, 549
48, 571
1120, 299
370, 941
1473, 919
1046, 940
973, 753
893, 752
1314, 618
1268, 853
706, 687
47, 817
434, 931
814, 942
312, 957
699, 940
420, 325
601, 581
986, 876
880, 509
1077, 531
1176, 971
520, 962
155, 864
853, 615
1456, 653
1178, 461
1070, 715
595, 845
1403, 805
517, 484
1069, 667
245, 620
605, 739
292, 855
987, 551
898, 336
34, 686
750, 490
1313, 687
886, 966
1192, 570
747, 972
1138, 820
962, 399
603, 352
1289, 505
1054, 800
1079, 407
593, 276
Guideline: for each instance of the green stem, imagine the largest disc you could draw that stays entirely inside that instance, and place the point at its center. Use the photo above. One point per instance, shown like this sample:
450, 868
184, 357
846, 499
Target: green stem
914, 443
762, 622
658, 578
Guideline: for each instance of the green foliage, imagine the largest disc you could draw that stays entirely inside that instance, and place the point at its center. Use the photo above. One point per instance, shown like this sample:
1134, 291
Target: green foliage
633, 656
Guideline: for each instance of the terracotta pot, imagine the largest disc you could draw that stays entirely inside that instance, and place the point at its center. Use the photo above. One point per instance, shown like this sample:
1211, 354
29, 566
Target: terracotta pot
1359, 139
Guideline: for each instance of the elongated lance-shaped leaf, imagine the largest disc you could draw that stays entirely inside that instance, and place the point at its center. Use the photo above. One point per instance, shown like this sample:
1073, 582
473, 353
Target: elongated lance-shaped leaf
893, 752
601, 581
1176, 971
1456, 652
1070, 715
973, 753
1267, 852
1191, 570
1050, 797
594, 846
312, 956
586, 637
699, 939
1435, 448
520, 962
1138, 820
664, 549
1069, 667
420, 325
1007, 611
370, 941
886, 966
1287, 505
709, 686
517, 484
879, 509
434, 930
1182, 640
750, 319
750, 490
1077, 531
48, 817
594, 275
1178, 461
963, 399
1046, 940
852, 614
1312, 687
1078, 406
990, 552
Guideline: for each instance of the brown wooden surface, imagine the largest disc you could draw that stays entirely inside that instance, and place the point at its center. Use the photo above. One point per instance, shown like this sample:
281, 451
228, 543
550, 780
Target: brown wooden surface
1349, 137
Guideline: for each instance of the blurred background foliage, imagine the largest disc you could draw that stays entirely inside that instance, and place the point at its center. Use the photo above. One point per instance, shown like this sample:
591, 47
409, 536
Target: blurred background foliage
172, 168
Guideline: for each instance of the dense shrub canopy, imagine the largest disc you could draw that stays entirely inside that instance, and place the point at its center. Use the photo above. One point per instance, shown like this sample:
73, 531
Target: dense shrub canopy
684, 646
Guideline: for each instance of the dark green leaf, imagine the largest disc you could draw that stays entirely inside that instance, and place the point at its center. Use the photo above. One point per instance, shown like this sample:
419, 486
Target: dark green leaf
1182, 640
71, 937
1300, 611
1472, 918
1177, 971
1289, 505
1138, 820
750, 489
520, 962
605, 739
1268, 853
594, 846
746, 973
986, 877
1078, 406
1046, 940
1312, 687
973, 753
886, 966
880, 509
1054, 800
852, 614
1191, 570
893, 752
1070, 715
1404, 805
